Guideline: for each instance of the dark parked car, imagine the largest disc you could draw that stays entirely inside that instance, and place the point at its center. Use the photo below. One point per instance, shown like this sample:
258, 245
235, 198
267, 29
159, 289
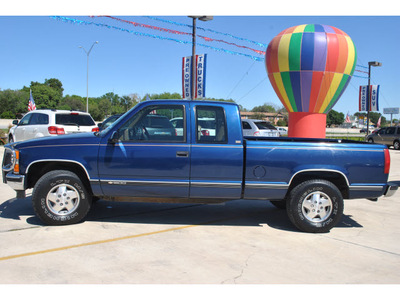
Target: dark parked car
107, 122
389, 136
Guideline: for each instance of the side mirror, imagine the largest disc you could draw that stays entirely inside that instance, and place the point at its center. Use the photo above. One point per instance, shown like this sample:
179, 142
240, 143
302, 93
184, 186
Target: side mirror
114, 138
15, 122
99, 124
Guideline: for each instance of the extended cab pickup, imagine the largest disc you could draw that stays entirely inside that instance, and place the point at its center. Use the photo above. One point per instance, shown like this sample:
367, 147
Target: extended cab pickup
143, 157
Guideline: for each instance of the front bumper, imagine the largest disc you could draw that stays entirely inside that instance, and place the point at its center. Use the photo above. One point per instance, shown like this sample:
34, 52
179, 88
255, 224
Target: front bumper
391, 189
16, 182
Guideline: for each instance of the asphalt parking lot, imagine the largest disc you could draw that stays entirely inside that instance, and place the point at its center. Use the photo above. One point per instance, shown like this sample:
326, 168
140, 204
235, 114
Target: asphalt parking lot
240, 242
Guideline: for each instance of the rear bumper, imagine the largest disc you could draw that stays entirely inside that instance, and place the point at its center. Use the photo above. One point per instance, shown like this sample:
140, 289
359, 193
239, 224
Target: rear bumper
391, 189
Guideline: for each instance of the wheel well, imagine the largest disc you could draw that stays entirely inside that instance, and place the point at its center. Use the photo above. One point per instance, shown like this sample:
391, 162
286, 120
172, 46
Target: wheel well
37, 170
336, 178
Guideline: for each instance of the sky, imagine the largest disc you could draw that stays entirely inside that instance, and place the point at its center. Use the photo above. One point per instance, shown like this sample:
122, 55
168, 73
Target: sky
34, 47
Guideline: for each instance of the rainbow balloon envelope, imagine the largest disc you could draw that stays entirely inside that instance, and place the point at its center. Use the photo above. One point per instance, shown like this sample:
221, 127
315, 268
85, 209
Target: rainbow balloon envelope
310, 66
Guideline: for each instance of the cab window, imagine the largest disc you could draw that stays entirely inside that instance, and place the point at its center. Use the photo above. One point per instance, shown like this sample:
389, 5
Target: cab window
153, 124
211, 125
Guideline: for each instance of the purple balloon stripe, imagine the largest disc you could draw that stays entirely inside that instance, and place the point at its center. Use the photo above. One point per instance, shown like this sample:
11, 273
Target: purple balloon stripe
328, 29
320, 51
306, 81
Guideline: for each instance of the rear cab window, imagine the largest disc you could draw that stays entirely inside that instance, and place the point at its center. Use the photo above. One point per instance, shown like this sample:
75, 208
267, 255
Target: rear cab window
211, 125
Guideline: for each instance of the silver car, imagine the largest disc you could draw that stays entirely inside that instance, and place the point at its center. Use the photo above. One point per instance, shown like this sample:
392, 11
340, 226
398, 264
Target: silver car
258, 128
389, 136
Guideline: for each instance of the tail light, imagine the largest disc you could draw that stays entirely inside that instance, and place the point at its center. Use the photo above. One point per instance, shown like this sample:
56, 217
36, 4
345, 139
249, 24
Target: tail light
387, 161
56, 130
205, 132
96, 129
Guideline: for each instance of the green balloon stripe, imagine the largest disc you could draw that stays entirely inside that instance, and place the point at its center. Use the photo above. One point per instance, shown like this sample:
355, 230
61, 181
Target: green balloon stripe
288, 88
340, 89
295, 52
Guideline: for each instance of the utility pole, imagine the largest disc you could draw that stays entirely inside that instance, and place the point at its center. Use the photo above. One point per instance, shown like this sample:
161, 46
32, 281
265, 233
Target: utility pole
201, 18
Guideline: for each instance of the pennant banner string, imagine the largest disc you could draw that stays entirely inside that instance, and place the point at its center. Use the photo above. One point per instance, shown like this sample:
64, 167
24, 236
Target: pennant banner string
210, 30
80, 22
207, 39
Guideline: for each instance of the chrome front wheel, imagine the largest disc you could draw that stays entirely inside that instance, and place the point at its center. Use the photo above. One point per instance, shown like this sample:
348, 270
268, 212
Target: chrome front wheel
60, 198
63, 199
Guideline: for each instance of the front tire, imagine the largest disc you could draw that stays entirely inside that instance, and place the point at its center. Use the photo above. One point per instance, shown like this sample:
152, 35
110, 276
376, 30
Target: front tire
396, 145
60, 198
315, 206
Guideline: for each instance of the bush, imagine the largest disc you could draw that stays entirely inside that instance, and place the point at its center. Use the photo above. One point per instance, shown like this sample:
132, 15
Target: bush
7, 115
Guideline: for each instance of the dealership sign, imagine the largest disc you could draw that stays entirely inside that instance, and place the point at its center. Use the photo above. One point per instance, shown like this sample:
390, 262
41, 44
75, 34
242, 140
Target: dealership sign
200, 80
368, 98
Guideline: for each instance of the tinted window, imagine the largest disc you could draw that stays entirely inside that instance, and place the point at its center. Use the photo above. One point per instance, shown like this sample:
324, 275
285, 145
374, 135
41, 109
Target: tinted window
390, 130
153, 124
39, 119
264, 125
74, 119
215, 132
246, 125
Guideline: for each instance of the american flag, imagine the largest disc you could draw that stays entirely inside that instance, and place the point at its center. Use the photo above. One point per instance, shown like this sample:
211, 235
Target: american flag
31, 105
347, 118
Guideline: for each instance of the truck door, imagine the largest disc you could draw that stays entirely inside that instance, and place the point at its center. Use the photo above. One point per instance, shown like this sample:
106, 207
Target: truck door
217, 153
148, 158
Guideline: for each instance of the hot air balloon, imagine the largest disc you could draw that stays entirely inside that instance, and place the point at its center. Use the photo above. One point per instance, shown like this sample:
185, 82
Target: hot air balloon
309, 67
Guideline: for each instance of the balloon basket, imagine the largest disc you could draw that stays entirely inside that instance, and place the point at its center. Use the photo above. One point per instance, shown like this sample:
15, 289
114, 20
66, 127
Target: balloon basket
307, 125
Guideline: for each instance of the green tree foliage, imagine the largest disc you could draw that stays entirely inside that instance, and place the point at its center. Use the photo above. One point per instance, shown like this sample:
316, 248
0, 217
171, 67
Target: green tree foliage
266, 107
334, 118
13, 103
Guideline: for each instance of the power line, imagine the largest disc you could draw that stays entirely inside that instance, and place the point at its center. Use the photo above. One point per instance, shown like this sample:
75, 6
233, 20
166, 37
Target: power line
244, 75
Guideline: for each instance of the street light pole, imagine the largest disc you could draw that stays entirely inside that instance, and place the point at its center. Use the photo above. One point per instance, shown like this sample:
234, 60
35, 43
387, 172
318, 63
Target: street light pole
87, 74
373, 64
201, 18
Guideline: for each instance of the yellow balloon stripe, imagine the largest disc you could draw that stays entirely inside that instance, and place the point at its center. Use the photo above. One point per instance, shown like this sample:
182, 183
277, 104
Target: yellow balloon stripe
283, 53
337, 78
299, 28
282, 91
351, 56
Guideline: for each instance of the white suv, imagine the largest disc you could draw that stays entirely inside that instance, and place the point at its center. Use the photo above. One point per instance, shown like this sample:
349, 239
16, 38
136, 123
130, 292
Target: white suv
50, 122
258, 128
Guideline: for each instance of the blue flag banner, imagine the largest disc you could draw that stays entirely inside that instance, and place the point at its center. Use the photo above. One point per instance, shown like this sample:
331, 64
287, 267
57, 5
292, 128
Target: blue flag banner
187, 77
201, 61
369, 98
200, 87
363, 99
373, 98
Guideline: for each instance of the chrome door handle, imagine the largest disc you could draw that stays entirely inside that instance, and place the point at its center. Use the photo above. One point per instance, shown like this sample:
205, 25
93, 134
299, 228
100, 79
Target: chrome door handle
182, 154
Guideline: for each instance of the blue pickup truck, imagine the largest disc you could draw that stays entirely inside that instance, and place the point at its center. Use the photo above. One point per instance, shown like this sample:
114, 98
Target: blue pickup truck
144, 156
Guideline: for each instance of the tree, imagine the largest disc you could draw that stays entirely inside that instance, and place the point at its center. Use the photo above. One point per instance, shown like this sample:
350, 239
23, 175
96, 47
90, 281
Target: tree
334, 118
13, 102
266, 107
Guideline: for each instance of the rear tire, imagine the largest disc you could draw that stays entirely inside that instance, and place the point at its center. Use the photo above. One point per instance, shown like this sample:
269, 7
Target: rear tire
60, 198
315, 206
